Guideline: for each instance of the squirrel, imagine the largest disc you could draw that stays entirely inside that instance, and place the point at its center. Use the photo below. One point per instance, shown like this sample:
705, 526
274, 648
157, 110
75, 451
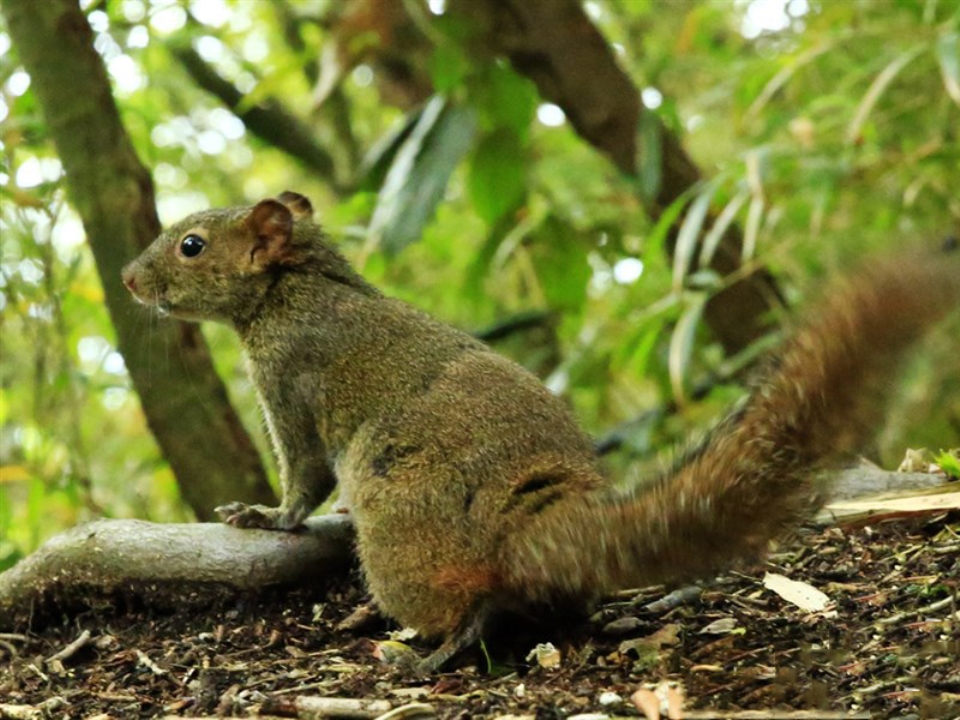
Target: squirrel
472, 488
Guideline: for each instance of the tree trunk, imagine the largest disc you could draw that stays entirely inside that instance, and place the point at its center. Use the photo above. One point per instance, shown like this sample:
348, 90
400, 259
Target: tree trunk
184, 400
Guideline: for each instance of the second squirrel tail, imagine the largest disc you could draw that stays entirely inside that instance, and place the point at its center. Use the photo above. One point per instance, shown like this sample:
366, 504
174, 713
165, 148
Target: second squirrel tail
756, 473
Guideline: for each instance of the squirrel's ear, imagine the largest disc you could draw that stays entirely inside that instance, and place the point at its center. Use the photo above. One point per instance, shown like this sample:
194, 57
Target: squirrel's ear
271, 223
298, 204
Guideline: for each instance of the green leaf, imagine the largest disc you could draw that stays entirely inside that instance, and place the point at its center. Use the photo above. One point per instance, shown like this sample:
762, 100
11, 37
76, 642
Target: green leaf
378, 160
712, 239
420, 172
448, 67
477, 270
784, 75
686, 245
654, 241
497, 180
560, 259
682, 342
751, 231
948, 52
642, 349
949, 463
506, 99
649, 155
877, 88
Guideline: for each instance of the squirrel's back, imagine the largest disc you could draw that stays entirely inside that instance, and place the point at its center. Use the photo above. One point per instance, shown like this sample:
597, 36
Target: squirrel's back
819, 401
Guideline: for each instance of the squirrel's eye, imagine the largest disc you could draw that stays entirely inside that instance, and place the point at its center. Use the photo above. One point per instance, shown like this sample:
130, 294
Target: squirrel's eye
192, 245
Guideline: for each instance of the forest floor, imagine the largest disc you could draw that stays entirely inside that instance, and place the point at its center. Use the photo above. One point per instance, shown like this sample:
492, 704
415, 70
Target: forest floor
888, 646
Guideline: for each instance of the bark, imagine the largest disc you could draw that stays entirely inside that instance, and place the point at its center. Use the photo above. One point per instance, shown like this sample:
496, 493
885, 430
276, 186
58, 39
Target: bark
554, 43
184, 400
95, 562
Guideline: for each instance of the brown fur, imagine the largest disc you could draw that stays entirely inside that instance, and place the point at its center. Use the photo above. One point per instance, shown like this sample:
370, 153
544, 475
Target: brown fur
472, 488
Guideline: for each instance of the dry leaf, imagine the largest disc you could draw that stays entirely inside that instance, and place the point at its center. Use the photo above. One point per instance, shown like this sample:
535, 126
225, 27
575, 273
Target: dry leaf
801, 594
723, 626
545, 655
914, 461
391, 652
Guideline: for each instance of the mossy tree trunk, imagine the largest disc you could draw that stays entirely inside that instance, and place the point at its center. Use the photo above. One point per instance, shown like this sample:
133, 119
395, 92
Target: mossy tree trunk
184, 400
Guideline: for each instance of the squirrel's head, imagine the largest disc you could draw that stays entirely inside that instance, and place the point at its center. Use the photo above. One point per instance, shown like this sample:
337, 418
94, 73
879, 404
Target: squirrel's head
219, 264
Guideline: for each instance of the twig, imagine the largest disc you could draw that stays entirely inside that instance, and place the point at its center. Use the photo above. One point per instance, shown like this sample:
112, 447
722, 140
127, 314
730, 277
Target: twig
268, 120
70, 650
40, 673
680, 596
149, 664
517, 323
900, 617
310, 707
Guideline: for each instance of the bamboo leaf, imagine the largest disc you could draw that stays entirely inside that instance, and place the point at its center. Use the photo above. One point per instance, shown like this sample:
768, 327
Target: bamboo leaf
879, 84
13, 473
657, 236
783, 76
649, 156
682, 342
381, 156
712, 239
419, 174
752, 229
948, 52
689, 232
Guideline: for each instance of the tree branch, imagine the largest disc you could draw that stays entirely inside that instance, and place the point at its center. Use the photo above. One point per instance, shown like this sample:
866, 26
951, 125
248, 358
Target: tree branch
554, 43
269, 120
97, 560
520, 322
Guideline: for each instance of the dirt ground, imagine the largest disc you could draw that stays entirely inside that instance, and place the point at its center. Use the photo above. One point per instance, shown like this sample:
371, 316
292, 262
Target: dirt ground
888, 646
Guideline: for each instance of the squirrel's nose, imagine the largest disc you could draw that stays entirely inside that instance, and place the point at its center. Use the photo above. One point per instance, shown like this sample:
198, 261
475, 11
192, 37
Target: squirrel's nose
128, 279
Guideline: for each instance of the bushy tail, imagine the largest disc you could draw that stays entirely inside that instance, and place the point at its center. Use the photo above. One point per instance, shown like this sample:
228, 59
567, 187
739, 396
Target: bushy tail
755, 475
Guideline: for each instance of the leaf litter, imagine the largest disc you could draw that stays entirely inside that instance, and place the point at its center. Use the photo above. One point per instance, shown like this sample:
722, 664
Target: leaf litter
887, 645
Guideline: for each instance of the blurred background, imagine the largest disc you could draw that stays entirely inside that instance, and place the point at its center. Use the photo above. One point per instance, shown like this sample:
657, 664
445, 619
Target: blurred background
629, 197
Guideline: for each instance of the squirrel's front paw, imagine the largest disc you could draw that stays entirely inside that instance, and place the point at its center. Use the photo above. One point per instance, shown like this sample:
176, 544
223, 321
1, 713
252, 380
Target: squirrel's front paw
242, 515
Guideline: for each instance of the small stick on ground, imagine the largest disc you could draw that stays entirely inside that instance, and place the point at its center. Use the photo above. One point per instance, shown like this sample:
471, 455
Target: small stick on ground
308, 707
70, 650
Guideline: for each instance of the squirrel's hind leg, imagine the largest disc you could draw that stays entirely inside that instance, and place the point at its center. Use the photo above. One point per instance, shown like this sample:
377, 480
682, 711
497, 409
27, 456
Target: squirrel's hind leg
470, 630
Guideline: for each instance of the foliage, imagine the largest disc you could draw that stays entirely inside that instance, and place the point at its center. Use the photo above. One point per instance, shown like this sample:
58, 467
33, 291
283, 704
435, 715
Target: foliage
949, 463
824, 137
